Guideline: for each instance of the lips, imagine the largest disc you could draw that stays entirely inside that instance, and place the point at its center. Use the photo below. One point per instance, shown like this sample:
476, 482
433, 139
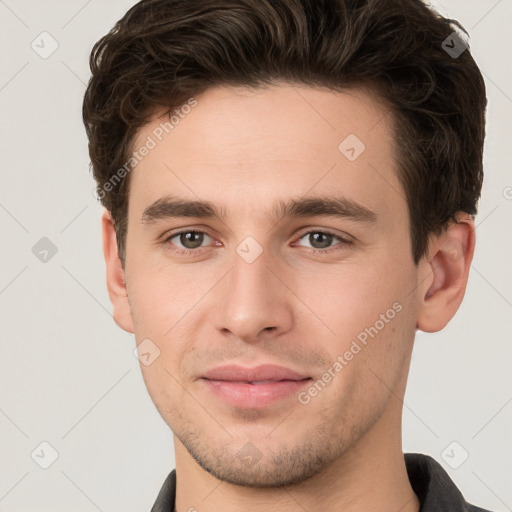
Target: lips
257, 375
253, 388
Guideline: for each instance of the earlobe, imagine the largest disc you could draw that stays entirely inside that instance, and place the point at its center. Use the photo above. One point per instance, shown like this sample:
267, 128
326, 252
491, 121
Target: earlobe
446, 267
115, 274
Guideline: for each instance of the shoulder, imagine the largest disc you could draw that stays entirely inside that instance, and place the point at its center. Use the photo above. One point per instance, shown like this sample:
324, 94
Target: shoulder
434, 488
165, 500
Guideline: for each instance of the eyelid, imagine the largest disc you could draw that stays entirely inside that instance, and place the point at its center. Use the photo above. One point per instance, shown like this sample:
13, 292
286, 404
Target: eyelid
178, 231
328, 231
344, 239
167, 236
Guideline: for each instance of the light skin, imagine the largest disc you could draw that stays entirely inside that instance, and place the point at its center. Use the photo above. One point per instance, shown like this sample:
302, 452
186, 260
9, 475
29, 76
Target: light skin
244, 151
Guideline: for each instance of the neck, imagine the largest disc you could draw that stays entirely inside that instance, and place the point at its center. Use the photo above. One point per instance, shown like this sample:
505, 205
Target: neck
370, 476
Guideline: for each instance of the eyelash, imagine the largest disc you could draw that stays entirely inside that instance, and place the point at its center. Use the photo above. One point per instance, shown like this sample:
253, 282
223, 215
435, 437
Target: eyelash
195, 252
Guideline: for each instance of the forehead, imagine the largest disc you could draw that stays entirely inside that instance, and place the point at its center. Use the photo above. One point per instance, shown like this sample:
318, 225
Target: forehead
245, 148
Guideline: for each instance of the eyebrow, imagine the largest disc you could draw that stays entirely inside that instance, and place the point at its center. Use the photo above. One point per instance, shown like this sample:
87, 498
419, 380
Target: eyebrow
174, 207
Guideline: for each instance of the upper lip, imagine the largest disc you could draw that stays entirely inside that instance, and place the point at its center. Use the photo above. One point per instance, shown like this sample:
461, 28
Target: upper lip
236, 373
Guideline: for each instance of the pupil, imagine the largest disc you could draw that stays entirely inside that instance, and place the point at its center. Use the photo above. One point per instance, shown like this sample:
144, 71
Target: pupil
324, 240
191, 239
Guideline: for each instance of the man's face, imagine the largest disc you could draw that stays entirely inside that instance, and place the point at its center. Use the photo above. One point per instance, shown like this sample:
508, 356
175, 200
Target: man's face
252, 287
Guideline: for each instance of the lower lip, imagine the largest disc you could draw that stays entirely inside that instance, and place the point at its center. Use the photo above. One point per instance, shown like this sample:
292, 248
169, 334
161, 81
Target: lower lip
253, 396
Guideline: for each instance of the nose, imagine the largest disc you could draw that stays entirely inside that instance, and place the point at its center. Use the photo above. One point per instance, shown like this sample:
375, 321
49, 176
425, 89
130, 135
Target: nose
253, 303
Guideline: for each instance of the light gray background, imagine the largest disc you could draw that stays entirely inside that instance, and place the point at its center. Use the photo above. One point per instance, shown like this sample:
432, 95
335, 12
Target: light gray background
67, 372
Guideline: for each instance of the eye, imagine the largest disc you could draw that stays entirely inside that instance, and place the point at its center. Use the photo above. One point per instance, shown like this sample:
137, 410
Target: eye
187, 241
321, 240
191, 242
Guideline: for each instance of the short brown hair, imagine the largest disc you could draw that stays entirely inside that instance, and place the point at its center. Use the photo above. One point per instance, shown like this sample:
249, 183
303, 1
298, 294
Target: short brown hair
163, 52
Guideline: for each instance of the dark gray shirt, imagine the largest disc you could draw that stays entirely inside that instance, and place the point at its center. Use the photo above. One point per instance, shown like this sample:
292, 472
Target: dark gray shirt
434, 488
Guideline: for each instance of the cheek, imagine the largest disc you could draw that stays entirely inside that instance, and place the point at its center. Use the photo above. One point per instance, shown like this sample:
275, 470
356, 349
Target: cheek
348, 299
162, 296
163, 389
162, 304
369, 316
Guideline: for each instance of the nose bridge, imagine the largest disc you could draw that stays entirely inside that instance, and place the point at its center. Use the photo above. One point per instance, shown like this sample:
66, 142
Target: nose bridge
252, 300
250, 277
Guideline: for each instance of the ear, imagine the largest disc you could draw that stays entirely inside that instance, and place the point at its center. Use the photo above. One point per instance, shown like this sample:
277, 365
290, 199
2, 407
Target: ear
116, 284
445, 270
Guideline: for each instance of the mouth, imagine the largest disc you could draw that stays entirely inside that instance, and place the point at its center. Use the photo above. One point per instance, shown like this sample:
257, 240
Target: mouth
260, 382
254, 388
